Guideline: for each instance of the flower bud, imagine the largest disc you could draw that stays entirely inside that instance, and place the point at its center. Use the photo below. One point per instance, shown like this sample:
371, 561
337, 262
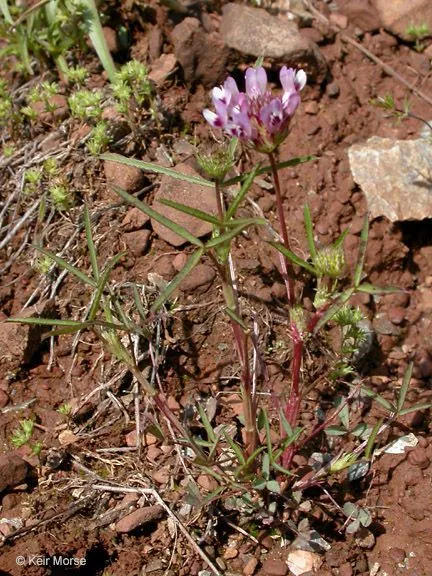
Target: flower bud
330, 261
217, 163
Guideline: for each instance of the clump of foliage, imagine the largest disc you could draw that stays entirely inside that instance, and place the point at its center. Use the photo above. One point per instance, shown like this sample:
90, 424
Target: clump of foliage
255, 463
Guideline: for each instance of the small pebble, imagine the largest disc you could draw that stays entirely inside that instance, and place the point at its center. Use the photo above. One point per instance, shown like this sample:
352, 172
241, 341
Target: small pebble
250, 567
418, 457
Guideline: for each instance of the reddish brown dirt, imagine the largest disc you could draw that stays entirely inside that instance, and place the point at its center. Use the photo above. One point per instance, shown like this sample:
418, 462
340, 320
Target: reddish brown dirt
200, 351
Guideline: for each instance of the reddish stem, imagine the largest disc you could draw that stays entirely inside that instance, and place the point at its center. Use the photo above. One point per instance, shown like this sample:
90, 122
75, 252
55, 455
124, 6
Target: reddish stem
287, 268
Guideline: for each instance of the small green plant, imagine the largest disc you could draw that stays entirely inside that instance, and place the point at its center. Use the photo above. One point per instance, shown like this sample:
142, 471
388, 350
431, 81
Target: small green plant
99, 138
132, 86
417, 33
65, 409
357, 517
49, 31
388, 104
86, 105
77, 75
22, 434
32, 179
60, 196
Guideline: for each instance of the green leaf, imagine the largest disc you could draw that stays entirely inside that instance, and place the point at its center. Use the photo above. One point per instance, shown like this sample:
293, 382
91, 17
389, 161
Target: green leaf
371, 289
339, 241
336, 431
206, 423
229, 234
362, 252
285, 424
371, 439
155, 168
281, 469
309, 231
405, 385
235, 448
99, 43
344, 412
90, 243
190, 264
268, 169
5, 11
293, 257
236, 318
259, 483
138, 304
63, 264
372, 394
232, 208
46, 322
266, 466
415, 408
158, 217
273, 486
192, 211
333, 309
101, 286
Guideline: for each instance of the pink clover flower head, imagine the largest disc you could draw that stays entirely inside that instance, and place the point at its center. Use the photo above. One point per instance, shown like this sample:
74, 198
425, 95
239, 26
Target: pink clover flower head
256, 116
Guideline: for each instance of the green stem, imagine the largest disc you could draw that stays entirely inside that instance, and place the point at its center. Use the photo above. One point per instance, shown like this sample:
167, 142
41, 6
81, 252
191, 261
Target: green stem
240, 336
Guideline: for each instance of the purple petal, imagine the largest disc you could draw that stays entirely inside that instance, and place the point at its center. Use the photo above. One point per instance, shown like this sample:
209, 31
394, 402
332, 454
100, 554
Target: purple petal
213, 119
287, 79
256, 82
240, 124
272, 115
290, 102
230, 86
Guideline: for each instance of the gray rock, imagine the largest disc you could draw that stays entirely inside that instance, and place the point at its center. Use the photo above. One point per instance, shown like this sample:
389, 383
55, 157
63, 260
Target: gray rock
396, 177
201, 55
198, 279
13, 471
398, 15
255, 32
19, 342
194, 195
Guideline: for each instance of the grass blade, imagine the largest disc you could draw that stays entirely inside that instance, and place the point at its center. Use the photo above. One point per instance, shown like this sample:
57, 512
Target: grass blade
338, 242
155, 168
190, 264
232, 208
192, 211
99, 43
309, 231
46, 322
101, 285
293, 257
362, 252
228, 235
268, 169
5, 11
371, 439
63, 264
158, 217
206, 423
236, 318
415, 408
404, 388
371, 289
90, 243
235, 448
372, 394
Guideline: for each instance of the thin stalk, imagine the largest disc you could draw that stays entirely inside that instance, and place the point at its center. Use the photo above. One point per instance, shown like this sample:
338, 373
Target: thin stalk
292, 408
287, 268
240, 336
